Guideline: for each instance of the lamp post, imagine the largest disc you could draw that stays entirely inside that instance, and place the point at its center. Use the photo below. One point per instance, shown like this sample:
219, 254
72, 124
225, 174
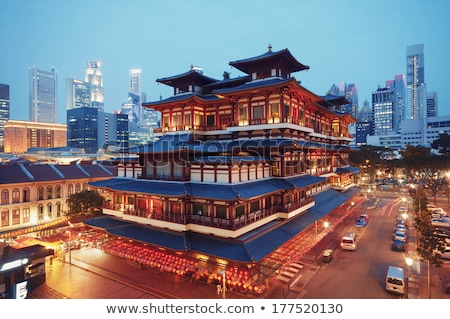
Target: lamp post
325, 225
224, 281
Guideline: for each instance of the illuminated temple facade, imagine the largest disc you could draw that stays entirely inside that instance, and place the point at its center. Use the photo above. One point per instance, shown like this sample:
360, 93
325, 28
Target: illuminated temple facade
236, 154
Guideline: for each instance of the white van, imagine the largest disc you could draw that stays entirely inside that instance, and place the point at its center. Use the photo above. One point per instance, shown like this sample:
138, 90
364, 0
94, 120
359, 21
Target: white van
348, 241
395, 280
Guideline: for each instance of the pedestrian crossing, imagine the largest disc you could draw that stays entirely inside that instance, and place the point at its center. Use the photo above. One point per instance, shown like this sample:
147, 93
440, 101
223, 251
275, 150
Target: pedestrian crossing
289, 271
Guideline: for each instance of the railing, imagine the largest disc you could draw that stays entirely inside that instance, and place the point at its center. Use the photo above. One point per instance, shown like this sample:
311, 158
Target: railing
222, 223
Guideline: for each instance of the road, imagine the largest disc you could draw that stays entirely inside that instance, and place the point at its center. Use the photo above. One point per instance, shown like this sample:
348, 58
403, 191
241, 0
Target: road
361, 273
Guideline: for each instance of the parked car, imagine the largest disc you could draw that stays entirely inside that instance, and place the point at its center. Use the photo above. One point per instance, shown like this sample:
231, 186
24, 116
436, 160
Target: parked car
398, 245
441, 222
400, 228
444, 234
445, 254
400, 236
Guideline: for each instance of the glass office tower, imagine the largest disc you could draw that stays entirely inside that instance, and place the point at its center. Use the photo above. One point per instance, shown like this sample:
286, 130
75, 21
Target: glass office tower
43, 95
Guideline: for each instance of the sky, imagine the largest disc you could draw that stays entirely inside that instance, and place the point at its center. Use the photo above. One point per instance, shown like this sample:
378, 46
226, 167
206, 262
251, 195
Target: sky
357, 42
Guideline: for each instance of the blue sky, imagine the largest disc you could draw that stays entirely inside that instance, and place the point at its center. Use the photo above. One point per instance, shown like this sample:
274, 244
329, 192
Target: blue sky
353, 41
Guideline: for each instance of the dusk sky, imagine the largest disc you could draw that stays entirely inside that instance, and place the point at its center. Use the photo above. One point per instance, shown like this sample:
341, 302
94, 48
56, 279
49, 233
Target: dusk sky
352, 41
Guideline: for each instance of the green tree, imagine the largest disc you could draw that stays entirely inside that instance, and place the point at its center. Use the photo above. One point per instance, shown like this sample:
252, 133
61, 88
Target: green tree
442, 144
85, 204
428, 240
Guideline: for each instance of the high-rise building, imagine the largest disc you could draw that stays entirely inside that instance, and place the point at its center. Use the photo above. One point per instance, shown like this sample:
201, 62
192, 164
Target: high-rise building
415, 82
383, 111
93, 76
43, 95
4, 112
90, 129
432, 104
78, 94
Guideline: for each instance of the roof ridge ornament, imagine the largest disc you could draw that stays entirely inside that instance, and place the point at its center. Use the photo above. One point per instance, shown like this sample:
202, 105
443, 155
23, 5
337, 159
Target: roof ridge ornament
270, 47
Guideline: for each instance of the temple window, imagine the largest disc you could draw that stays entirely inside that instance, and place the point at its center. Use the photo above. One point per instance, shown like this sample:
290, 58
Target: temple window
198, 120
187, 121
199, 209
210, 120
254, 206
240, 210
221, 212
258, 112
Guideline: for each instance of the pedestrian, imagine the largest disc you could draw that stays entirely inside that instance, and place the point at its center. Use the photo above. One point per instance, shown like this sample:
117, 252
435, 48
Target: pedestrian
177, 281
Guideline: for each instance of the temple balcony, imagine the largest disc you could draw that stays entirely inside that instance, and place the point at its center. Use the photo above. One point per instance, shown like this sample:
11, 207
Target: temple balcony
222, 227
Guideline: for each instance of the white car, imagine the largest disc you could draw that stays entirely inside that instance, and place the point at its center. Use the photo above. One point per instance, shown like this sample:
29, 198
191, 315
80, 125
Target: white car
445, 254
441, 222
398, 235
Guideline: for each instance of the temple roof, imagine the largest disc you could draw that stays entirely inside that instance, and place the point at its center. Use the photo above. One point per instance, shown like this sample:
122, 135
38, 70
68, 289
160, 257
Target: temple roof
190, 77
222, 192
283, 59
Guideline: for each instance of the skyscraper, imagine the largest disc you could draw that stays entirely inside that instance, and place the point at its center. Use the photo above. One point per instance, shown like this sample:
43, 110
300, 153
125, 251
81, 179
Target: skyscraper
4, 112
432, 104
93, 76
383, 110
43, 95
78, 94
415, 83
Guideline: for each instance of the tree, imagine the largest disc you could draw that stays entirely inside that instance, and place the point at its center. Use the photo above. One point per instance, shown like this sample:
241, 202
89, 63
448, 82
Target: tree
428, 241
442, 144
86, 204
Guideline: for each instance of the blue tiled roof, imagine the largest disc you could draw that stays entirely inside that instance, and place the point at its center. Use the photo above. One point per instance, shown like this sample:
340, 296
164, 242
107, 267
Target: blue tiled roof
158, 237
225, 192
106, 222
254, 85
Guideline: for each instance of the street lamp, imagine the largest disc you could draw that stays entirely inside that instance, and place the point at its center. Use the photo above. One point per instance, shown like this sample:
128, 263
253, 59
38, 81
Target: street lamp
325, 225
409, 262
224, 281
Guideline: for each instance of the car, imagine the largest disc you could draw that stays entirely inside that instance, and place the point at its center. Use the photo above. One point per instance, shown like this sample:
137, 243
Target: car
365, 217
398, 245
441, 222
361, 222
400, 235
443, 254
401, 228
444, 234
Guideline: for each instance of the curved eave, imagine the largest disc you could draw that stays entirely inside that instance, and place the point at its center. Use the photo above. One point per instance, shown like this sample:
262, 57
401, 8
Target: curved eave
284, 56
187, 77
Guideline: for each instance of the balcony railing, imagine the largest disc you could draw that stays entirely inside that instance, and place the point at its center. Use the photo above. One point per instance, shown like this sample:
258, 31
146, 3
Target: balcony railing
222, 223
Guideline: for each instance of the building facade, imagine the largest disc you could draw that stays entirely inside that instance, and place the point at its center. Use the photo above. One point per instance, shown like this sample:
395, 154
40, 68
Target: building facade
34, 196
94, 77
416, 89
43, 95
22, 135
4, 112
78, 94
90, 129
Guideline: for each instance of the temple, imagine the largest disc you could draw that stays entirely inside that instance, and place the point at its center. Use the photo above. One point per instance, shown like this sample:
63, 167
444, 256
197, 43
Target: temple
232, 157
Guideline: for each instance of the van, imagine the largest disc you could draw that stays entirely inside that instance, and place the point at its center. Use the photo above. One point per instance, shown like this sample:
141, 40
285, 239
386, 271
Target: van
348, 241
395, 280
